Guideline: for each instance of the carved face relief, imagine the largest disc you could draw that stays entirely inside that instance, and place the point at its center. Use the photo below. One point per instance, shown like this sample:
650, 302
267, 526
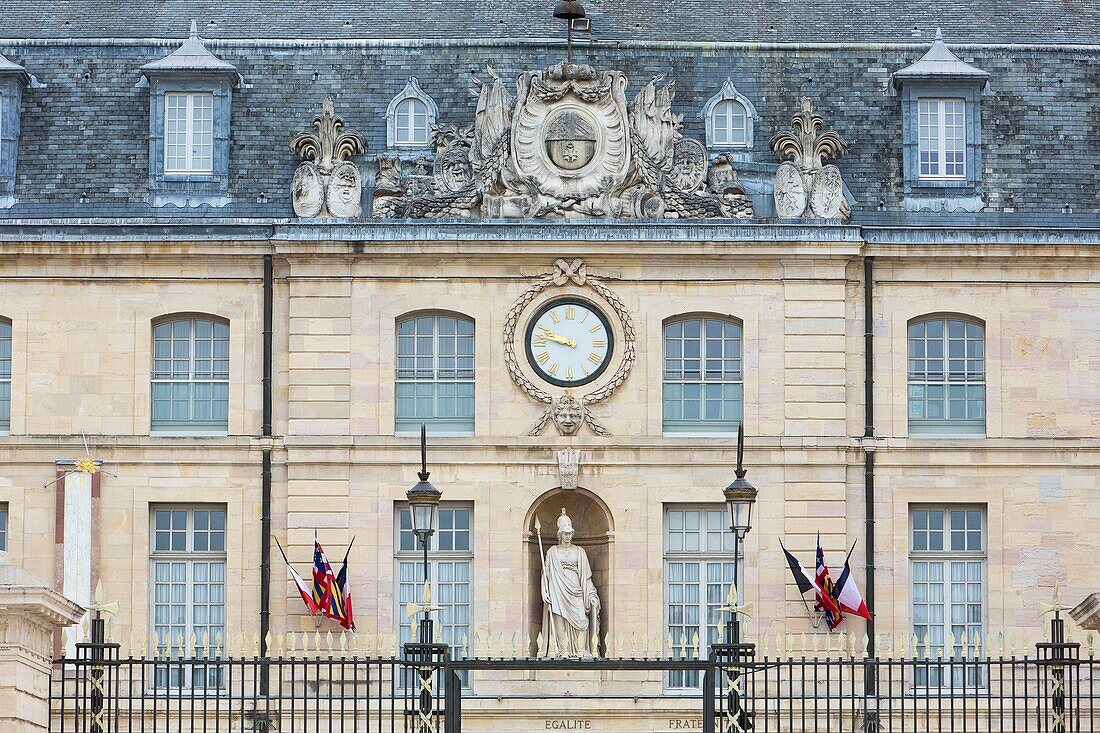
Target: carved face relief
452, 168
689, 164
567, 414
344, 190
570, 140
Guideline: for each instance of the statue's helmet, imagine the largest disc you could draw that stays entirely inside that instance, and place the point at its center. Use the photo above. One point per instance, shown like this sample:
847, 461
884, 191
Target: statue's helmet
564, 523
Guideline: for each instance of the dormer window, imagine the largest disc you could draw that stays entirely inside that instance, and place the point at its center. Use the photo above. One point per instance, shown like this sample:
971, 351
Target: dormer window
729, 117
188, 132
13, 78
941, 131
190, 101
410, 117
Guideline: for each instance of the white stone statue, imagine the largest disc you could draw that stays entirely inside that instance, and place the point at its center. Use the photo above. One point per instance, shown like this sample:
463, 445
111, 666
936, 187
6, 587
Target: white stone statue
571, 605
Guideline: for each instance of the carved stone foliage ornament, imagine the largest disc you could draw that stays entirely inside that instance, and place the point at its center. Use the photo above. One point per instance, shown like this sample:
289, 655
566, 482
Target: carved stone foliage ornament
803, 186
327, 183
569, 468
569, 345
567, 145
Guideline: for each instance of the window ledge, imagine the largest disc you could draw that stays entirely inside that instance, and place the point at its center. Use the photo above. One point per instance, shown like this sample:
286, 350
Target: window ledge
700, 434
440, 434
188, 434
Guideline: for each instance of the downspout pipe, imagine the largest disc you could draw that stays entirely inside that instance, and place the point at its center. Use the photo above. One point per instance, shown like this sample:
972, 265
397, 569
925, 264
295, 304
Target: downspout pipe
265, 471
869, 452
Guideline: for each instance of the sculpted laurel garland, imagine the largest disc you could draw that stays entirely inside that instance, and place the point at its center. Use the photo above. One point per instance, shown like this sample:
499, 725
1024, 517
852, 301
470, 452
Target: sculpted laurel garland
574, 271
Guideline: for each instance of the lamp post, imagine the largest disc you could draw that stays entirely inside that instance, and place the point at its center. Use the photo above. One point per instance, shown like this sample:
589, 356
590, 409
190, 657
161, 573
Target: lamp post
423, 505
740, 496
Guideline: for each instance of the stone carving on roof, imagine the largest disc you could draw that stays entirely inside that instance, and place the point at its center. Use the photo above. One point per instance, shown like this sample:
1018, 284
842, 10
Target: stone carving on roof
568, 145
804, 188
326, 183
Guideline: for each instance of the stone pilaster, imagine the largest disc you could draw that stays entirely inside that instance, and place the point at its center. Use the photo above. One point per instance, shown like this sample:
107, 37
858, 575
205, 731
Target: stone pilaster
30, 613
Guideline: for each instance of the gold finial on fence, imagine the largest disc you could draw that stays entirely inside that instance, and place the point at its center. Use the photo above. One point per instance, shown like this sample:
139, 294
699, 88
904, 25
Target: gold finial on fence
816, 639
656, 647
291, 643
633, 644
903, 646
192, 644
977, 645
1088, 641
328, 644
255, 643
526, 644
465, 648
695, 644
866, 644
343, 643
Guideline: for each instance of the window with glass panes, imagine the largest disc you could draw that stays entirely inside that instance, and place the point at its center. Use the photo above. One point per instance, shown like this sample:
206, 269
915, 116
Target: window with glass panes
188, 132
411, 123
435, 374
729, 126
941, 132
190, 375
946, 377
698, 574
703, 382
5, 375
188, 568
3, 527
450, 563
947, 568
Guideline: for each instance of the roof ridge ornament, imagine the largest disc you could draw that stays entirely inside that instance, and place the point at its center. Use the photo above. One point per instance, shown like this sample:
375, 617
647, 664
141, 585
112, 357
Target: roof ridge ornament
327, 183
804, 188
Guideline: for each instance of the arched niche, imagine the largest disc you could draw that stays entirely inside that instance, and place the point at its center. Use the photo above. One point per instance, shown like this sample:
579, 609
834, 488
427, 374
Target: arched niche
594, 530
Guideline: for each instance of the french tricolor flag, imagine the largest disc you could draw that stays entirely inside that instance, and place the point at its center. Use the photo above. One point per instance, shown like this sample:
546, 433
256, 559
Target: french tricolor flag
847, 594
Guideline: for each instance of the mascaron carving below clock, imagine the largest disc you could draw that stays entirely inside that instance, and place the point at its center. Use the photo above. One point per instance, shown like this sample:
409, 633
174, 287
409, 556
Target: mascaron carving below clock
569, 342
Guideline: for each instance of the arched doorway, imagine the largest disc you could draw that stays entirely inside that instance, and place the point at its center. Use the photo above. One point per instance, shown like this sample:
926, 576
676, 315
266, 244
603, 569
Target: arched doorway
594, 531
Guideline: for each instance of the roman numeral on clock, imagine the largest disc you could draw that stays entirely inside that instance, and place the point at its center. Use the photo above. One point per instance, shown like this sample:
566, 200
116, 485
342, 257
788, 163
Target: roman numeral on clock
543, 357
554, 315
599, 342
570, 313
594, 357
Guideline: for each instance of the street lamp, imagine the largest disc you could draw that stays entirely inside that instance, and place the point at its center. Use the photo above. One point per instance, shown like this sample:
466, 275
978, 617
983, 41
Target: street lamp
740, 496
423, 505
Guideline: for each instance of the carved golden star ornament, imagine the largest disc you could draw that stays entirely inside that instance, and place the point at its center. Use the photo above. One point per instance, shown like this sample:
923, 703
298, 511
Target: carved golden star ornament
87, 465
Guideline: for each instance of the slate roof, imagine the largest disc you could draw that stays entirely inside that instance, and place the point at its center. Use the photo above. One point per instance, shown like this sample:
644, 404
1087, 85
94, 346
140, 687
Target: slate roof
191, 56
856, 21
940, 63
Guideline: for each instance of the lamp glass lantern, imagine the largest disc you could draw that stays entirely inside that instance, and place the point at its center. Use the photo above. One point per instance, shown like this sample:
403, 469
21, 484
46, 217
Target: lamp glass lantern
740, 497
424, 504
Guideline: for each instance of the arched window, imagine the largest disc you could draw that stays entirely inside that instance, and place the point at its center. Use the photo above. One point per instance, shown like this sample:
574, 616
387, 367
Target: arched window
190, 380
729, 126
435, 374
5, 375
410, 116
729, 119
703, 382
946, 376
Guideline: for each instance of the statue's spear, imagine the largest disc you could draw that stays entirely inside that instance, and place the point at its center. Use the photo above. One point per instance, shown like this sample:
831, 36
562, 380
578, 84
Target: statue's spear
551, 642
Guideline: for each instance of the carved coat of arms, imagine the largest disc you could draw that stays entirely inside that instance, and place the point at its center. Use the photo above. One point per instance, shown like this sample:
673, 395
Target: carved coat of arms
567, 145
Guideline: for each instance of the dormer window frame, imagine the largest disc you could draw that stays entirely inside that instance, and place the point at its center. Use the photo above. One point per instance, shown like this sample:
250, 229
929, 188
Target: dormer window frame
198, 108
411, 91
13, 78
190, 70
729, 94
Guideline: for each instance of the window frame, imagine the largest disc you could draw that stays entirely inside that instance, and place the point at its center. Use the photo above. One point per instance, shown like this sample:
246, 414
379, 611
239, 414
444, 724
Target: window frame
13, 80
727, 107
415, 556
190, 109
947, 557
704, 558
189, 557
190, 426
947, 426
941, 105
953, 193
411, 108
452, 425
411, 91
689, 427
5, 521
729, 93
7, 343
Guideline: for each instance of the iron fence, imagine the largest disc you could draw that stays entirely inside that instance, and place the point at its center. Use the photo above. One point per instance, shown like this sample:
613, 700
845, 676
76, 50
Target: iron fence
342, 686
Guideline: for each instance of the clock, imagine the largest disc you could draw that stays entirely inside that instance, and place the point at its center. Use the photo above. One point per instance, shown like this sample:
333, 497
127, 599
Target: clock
569, 342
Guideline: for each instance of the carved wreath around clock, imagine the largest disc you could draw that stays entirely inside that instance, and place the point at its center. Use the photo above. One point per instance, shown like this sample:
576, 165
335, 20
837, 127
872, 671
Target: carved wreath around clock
568, 343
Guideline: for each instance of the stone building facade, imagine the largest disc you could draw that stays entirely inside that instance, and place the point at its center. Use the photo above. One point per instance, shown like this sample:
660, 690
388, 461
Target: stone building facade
112, 266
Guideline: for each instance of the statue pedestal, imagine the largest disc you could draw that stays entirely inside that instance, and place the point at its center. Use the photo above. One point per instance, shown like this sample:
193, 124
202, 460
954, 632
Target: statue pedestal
30, 613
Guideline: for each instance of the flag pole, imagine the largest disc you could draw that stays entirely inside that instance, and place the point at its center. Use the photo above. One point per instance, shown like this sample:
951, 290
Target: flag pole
815, 616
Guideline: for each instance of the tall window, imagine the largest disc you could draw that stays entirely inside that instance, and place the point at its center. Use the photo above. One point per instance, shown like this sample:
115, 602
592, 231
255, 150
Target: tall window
191, 375
188, 558
698, 573
729, 126
3, 527
451, 557
5, 375
946, 377
435, 373
411, 122
703, 383
947, 558
188, 132
942, 138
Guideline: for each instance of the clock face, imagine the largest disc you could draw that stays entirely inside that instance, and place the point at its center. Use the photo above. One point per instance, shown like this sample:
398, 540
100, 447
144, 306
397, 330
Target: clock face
569, 342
